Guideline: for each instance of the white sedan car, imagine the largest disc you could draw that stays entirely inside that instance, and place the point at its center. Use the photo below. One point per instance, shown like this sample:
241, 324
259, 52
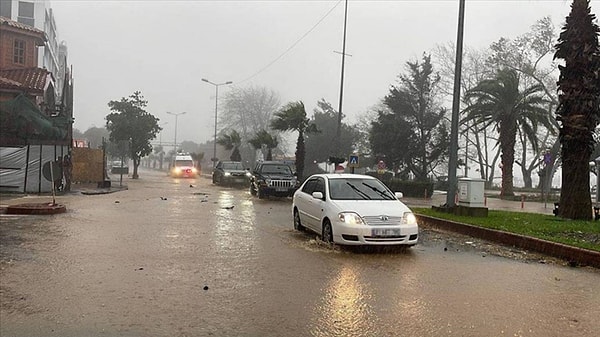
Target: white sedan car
353, 209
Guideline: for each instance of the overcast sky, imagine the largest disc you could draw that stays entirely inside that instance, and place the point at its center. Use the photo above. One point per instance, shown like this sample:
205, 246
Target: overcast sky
164, 48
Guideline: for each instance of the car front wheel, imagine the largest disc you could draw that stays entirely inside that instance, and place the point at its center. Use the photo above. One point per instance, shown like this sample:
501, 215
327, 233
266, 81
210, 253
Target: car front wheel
297, 224
327, 234
261, 194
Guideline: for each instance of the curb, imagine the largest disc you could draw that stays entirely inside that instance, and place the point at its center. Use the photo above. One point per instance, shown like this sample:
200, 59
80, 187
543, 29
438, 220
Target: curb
574, 255
102, 190
36, 209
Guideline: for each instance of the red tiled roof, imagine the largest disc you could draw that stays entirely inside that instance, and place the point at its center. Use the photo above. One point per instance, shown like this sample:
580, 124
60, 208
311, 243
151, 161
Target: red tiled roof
28, 79
4, 82
18, 25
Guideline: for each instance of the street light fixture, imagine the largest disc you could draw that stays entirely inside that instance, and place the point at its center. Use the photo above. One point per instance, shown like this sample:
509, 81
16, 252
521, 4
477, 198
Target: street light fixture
176, 115
214, 158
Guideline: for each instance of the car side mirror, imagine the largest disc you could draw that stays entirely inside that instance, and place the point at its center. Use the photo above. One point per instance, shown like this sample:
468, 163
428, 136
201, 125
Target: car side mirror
398, 195
317, 195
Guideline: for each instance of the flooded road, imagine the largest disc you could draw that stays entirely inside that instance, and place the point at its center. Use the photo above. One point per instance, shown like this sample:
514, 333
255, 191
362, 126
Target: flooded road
180, 257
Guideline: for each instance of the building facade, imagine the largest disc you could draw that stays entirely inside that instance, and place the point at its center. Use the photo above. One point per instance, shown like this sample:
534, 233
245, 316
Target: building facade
36, 101
53, 55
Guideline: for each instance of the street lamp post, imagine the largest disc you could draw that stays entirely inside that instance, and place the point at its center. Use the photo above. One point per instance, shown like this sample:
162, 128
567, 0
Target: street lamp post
176, 115
162, 152
214, 158
160, 133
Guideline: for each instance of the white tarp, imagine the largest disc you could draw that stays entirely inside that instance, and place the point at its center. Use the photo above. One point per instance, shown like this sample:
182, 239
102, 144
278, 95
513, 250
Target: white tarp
21, 167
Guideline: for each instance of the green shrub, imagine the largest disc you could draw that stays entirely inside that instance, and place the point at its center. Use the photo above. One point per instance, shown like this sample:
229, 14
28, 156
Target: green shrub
411, 189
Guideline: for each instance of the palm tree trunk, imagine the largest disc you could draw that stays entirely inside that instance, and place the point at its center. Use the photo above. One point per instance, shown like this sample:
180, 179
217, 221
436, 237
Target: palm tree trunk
508, 134
575, 201
300, 154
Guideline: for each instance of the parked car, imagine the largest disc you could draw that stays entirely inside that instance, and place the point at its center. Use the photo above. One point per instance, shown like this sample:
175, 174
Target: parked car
116, 167
273, 178
183, 167
353, 209
230, 173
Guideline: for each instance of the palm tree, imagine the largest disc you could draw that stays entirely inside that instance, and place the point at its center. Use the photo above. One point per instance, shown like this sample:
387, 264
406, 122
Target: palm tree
231, 141
579, 107
261, 138
500, 102
292, 117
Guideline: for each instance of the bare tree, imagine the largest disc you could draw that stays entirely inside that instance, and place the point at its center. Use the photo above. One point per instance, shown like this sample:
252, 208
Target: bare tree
528, 54
476, 144
247, 110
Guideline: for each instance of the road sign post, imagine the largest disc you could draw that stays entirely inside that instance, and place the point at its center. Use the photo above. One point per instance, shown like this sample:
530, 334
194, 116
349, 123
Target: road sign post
353, 161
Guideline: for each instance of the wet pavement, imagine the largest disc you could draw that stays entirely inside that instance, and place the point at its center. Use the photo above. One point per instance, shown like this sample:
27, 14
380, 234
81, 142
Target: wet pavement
180, 257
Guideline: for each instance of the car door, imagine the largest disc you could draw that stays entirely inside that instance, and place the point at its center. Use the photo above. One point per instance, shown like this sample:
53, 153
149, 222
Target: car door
315, 207
217, 172
302, 202
311, 208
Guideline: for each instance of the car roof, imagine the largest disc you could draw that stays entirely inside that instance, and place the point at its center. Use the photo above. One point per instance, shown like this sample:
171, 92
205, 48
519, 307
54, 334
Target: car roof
274, 162
342, 176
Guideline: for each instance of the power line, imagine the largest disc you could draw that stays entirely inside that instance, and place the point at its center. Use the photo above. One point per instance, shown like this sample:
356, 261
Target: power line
292, 46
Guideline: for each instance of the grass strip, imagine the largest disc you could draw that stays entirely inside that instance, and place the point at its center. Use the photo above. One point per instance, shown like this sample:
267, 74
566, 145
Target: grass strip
576, 233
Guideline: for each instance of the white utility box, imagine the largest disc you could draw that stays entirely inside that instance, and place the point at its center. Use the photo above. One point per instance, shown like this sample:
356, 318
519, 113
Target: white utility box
470, 192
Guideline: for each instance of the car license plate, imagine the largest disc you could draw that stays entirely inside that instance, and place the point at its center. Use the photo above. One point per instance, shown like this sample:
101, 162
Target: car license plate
281, 189
385, 232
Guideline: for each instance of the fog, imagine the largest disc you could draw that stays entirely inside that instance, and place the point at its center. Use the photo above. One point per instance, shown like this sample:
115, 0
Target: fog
165, 48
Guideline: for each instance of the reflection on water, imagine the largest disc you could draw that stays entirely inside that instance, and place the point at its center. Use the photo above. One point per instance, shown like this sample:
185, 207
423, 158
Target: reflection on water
235, 219
345, 309
235, 246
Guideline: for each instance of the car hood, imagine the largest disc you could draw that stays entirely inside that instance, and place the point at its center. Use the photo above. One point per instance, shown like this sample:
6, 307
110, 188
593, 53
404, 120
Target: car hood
278, 176
236, 171
372, 207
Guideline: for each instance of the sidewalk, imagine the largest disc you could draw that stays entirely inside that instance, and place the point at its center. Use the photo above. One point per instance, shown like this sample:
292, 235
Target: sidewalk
81, 188
439, 199
574, 256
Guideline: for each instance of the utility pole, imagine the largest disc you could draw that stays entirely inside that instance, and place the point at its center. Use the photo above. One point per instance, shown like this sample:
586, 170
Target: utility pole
452, 180
338, 133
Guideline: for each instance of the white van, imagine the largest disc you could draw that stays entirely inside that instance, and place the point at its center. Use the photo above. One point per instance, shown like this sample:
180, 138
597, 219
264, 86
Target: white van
183, 167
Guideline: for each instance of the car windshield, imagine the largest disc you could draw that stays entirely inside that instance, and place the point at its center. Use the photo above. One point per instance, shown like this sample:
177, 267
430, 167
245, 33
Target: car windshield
276, 169
358, 189
184, 163
232, 166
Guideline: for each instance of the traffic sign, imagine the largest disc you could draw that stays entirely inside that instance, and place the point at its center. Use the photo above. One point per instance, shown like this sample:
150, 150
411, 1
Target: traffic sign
547, 158
54, 172
381, 167
353, 161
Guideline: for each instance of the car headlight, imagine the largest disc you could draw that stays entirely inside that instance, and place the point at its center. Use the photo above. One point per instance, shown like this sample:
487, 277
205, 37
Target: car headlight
409, 218
177, 170
248, 174
227, 174
267, 181
194, 170
351, 218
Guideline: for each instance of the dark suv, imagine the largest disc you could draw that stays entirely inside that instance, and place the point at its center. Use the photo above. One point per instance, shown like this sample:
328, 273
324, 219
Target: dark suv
273, 178
230, 173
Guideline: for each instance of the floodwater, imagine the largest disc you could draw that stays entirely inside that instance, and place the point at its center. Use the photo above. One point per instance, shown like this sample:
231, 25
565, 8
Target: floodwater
181, 257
